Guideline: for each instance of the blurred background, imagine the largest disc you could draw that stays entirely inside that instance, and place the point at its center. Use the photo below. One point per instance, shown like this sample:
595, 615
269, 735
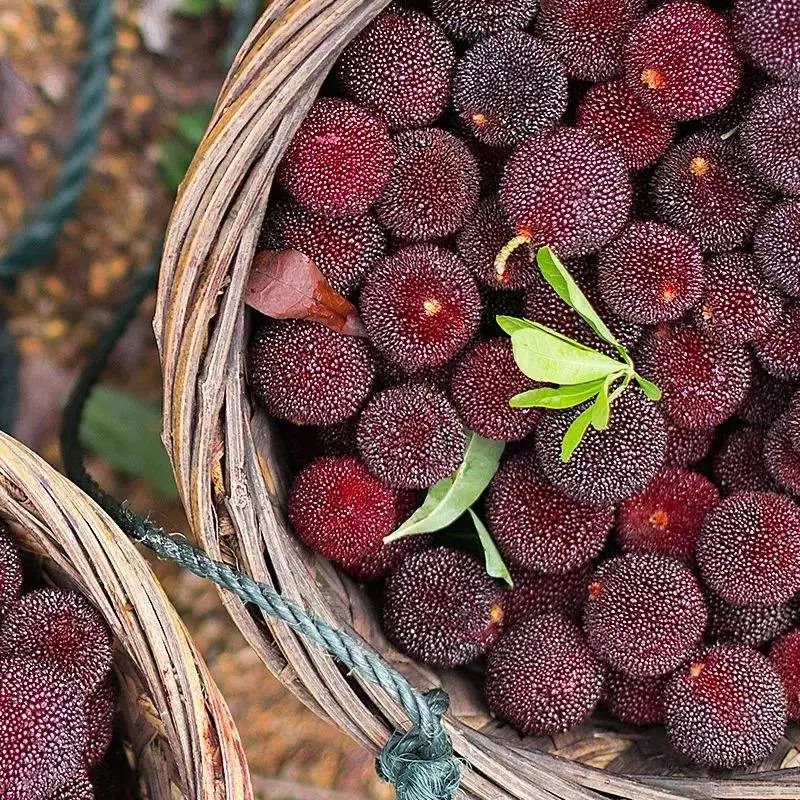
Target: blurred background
167, 65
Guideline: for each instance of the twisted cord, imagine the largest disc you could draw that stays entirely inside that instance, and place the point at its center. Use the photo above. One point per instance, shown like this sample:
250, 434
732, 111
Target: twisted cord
420, 762
37, 241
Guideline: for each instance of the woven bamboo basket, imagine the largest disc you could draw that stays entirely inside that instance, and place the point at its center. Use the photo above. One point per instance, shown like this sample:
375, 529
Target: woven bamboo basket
177, 732
230, 471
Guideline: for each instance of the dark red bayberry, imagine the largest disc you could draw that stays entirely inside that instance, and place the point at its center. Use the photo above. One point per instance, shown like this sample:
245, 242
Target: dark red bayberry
785, 658
63, 631
776, 246
738, 305
781, 453
564, 188
339, 160
770, 137
751, 625
768, 32
636, 701
410, 436
339, 509
306, 373
433, 188
644, 613
536, 526
10, 571
725, 708
535, 594
652, 273
344, 250
778, 350
542, 678
703, 382
509, 87
768, 399
616, 116
483, 236
99, 710
611, 464
441, 608
680, 61
704, 187
471, 20
687, 446
666, 516
401, 67
484, 381
589, 35
749, 549
739, 464
42, 730
420, 307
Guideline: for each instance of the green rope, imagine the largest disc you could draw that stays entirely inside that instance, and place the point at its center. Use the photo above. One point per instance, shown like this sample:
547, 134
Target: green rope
37, 241
419, 762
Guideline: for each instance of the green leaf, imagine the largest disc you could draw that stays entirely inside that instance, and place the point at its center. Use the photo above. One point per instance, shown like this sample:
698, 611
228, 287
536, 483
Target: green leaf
558, 397
451, 497
127, 433
575, 433
602, 406
550, 359
556, 274
495, 566
512, 324
191, 125
649, 388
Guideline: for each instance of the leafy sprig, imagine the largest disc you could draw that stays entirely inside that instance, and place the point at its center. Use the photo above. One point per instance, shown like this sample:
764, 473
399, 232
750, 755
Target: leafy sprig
576, 373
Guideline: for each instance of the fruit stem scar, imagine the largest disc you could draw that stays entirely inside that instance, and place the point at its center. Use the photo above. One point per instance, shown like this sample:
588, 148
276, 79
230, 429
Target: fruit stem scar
653, 78
496, 614
501, 260
699, 166
659, 519
432, 307
480, 119
696, 670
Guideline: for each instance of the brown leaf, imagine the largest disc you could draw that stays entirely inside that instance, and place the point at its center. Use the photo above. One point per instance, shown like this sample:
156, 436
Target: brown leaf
287, 284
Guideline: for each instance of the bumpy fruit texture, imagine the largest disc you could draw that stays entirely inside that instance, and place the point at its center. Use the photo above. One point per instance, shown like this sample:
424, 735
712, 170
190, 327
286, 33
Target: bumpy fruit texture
420, 306
434, 186
770, 137
785, 658
739, 464
10, 571
344, 250
484, 381
79, 788
374, 567
307, 374
470, 20
608, 465
589, 36
483, 236
666, 516
703, 382
636, 701
652, 273
542, 678
767, 399
564, 188
778, 350
410, 436
615, 115
680, 61
738, 305
781, 453
725, 708
42, 730
749, 549
768, 32
99, 711
338, 508
751, 625
441, 608
63, 631
401, 67
644, 613
339, 160
536, 526
776, 246
704, 187
687, 446
508, 87
535, 594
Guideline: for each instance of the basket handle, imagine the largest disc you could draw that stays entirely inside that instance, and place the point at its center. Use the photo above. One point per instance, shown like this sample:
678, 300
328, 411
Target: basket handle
419, 762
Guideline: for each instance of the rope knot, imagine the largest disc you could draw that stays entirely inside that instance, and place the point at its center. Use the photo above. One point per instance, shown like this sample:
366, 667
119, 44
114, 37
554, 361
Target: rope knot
422, 766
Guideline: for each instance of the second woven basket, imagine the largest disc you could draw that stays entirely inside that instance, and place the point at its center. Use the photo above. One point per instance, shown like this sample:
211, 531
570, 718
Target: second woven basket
231, 472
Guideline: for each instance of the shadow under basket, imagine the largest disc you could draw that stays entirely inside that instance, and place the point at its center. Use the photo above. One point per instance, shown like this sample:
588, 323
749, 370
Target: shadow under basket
176, 731
233, 479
